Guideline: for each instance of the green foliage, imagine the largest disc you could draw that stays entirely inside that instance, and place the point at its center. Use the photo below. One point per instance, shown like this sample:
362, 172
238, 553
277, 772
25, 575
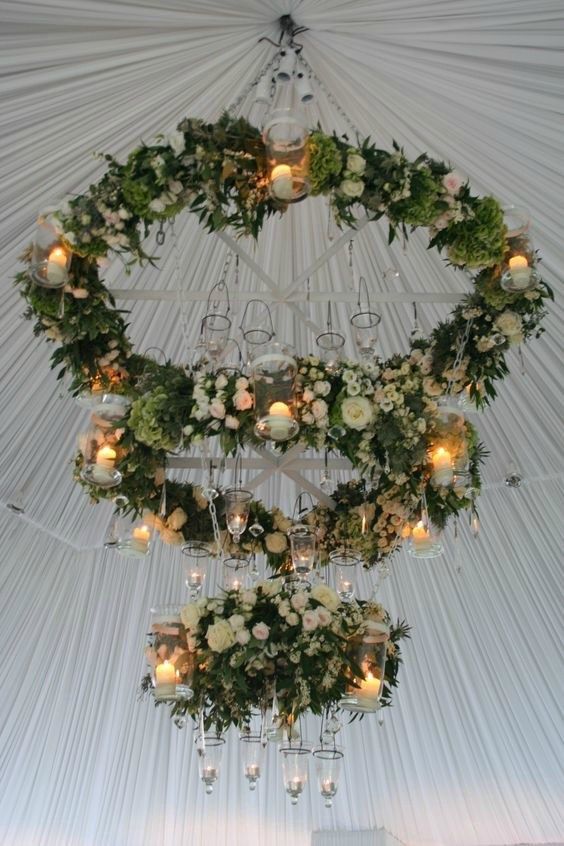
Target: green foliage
325, 163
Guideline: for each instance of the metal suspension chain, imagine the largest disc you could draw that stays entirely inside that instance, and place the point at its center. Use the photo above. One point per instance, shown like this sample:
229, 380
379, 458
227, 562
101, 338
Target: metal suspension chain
462, 341
209, 495
338, 108
232, 109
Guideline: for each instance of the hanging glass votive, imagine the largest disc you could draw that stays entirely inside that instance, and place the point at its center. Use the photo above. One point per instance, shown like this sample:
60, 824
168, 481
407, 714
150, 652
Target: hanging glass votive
109, 407
196, 557
273, 374
424, 540
134, 535
235, 573
285, 136
303, 545
237, 508
253, 755
467, 399
256, 326
172, 664
330, 344
210, 751
345, 562
100, 452
448, 441
518, 271
365, 324
328, 760
369, 653
50, 257
295, 767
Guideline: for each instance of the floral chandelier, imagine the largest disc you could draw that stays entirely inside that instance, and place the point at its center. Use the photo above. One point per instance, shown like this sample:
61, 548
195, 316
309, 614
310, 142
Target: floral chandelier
266, 651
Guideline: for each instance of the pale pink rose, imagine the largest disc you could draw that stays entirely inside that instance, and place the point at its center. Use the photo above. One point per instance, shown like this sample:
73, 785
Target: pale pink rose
324, 616
217, 409
308, 395
452, 182
319, 408
310, 621
79, 293
260, 631
242, 400
242, 383
242, 637
231, 422
299, 601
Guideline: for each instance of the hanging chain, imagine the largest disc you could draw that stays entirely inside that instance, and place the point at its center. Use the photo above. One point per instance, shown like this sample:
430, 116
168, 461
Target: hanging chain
462, 341
338, 108
222, 284
232, 109
208, 492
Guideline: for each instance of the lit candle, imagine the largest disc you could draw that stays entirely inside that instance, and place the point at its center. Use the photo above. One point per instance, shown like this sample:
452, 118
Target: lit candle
209, 773
165, 678
282, 182
105, 462
252, 771
421, 538
195, 580
520, 272
442, 467
140, 538
236, 523
346, 588
296, 785
328, 787
280, 422
369, 688
57, 266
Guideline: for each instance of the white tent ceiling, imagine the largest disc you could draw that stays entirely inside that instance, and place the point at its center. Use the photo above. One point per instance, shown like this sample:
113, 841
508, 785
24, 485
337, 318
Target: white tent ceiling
469, 755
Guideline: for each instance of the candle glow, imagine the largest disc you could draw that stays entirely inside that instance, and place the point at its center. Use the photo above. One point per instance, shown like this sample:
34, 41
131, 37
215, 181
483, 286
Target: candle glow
520, 272
442, 466
282, 182
165, 680
57, 266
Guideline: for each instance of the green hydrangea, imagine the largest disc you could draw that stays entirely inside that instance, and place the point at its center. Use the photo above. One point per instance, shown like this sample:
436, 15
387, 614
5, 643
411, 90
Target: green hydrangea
137, 195
325, 163
488, 285
478, 241
423, 205
152, 423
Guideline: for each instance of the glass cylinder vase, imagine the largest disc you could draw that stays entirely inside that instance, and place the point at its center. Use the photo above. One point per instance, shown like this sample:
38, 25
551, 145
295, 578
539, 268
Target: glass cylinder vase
273, 373
50, 257
295, 767
100, 454
368, 654
135, 534
285, 136
328, 760
518, 273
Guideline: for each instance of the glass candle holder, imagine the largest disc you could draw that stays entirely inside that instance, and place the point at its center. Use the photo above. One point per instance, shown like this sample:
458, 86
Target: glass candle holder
369, 653
518, 273
50, 257
303, 546
236, 573
285, 136
273, 374
196, 558
345, 563
295, 767
365, 332
100, 453
237, 506
215, 332
253, 754
424, 541
210, 751
172, 664
134, 536
328, 760
447, 441
109, 407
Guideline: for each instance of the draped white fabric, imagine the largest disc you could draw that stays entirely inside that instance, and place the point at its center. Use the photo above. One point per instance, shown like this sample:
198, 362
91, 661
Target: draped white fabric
470, 753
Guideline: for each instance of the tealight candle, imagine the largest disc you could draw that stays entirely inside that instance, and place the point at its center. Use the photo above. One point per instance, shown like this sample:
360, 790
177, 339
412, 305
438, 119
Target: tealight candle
105, 463
165, 679
280, 421
195, 580
282, 182
442, 467
140, 538
328, 787
421, 538
57, 266
520, 272
209, 773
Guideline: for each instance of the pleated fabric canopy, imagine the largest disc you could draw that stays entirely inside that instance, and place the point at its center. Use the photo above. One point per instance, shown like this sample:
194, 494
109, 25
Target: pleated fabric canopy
470, 754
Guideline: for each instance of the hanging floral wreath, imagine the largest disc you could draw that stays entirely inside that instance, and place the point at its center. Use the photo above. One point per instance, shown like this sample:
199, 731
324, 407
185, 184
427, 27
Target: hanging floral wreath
381, 415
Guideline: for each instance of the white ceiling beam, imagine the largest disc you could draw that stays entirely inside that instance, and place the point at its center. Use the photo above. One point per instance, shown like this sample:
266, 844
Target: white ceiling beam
261, 463
295, 297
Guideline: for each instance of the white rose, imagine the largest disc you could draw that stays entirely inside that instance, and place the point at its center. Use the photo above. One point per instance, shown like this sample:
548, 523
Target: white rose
271, 587
355, 163
236, 621
175, 187
322, 388
177, 142
352, 187
284, 608
248, 597
242, 400
217, 409
299, 600
307, 418
242, 636
177, 519
221, 381
309, 621
357, 412
242, 383
319, 408
260, 631
154, 205
231, 422
292, 619
508, 323
220, 636
190, 615
276, 542
326, 596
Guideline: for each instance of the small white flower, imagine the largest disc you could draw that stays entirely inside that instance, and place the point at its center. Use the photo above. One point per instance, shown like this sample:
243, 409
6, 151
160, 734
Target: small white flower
352, 187
292, 619
177, 142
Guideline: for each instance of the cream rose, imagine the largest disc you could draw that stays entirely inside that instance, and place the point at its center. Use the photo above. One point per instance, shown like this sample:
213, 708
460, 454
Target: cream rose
299, 600
508, 323
248, 597
231, 422
357, 412
326, 596
355, 163
217, 409
236, 621
220, 636
352, 187
276, 542
177, 519
177, 142
199, 498
242, 636
190, 616
270, 587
